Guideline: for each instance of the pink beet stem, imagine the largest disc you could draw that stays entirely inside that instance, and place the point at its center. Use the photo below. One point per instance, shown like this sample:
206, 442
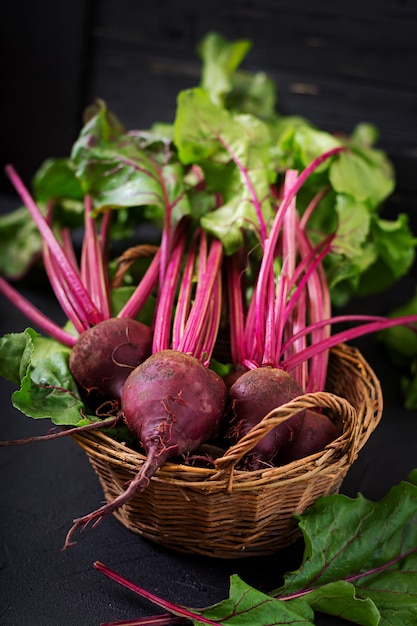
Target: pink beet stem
164, 619
197, 320
166, 298
183, 305
93, 271
271, 242
165, 604
71, 276
38, 318
69, 304
235, 290
375, 326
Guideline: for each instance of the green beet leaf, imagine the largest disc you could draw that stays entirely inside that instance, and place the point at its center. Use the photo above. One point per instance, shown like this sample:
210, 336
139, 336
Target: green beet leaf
356, 175
409, 388
55, 179
220, 59
309, 143
395, 243
253, 93
400, 341
20, 243
214, 138
118, 172
353, 227
246, 606
16, 350
372, 545
39, 366
360, 563
340, 599
401, 345
394, 248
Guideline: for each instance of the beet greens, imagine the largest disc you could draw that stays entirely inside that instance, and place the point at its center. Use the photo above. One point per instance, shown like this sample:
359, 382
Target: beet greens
285, 326
84, 292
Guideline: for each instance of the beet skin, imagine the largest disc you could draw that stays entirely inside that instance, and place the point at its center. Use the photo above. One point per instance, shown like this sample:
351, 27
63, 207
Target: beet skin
254, 394
105, 355
316, 432
173, 403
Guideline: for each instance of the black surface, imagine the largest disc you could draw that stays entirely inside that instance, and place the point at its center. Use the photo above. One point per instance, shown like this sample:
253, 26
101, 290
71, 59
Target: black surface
336, 63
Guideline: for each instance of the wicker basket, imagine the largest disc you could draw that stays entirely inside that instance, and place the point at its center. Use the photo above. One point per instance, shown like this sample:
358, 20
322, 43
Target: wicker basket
227, 513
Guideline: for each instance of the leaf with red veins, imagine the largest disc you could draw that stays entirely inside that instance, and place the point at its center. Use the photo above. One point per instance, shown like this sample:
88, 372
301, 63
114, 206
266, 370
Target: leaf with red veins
363, 550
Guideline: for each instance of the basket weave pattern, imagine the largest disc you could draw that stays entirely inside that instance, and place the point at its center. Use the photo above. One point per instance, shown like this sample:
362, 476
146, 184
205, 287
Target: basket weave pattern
227, 513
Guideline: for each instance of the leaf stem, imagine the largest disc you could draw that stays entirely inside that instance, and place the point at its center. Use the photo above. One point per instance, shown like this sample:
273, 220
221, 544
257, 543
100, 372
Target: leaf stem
177, 609
352, 578
92, 315
35, 315
346, 335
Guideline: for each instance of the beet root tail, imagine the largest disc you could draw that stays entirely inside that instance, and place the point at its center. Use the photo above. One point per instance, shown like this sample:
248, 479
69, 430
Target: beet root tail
136, 485
106, 423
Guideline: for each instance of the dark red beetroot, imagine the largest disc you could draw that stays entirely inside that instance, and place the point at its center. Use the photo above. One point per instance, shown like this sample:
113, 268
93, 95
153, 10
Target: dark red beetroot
316, 432
254, 394
106, 354
172, 403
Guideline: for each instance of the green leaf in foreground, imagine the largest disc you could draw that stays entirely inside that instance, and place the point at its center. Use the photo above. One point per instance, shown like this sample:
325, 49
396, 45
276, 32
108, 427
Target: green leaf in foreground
339, 599
372, 545
360, 564
247, 606
47, 389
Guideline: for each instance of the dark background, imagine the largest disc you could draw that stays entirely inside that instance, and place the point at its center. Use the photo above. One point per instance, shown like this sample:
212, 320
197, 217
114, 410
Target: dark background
336, 63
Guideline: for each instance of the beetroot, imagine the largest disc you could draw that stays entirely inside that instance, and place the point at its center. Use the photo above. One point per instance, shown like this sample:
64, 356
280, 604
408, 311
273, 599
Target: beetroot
172, 403
254, 394
105, 354
316, 432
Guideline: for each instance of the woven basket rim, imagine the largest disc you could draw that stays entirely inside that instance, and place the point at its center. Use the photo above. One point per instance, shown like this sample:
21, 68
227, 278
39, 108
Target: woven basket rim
355, 433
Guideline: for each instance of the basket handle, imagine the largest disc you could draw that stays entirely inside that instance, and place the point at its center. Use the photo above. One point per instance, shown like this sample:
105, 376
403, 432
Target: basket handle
128, 257
324, 399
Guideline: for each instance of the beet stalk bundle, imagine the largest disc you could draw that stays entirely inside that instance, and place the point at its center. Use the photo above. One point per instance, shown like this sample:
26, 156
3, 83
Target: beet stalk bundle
173, 401
104, 345
280, 337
